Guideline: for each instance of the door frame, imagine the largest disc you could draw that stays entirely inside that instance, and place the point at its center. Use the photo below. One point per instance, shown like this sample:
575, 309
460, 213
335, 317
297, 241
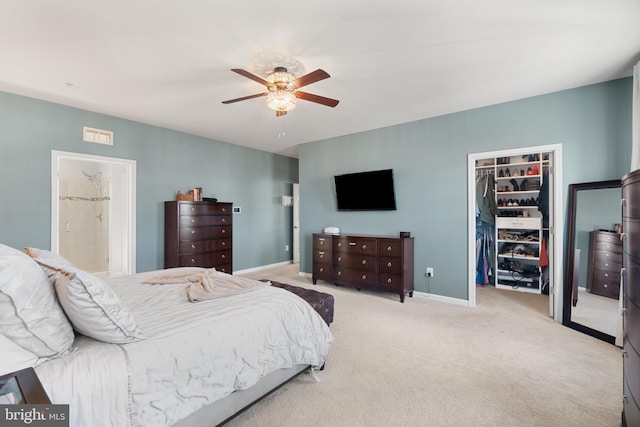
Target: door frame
296, 223
126, 234
556, 285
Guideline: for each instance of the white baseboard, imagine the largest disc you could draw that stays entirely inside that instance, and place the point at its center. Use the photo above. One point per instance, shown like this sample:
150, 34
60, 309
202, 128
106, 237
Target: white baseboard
441, 298
262, 267
303, 274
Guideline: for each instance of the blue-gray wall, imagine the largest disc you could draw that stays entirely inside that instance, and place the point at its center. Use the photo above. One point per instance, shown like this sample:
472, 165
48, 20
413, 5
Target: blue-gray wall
167, 161
429, 159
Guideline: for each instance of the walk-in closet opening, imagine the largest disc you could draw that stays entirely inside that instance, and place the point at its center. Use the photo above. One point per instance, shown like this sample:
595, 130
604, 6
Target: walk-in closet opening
515, 223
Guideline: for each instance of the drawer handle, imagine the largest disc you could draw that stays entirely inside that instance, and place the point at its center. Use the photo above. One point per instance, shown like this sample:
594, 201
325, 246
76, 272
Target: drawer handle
605, 285
352, 243
606, 274
224, 243
364, 246
224, 209
193, 261
389, 248
224, 231
364, 262
224, 220
339, 244
223, 256
339, 273
193, 231
339, 258
193, 246
321, 269
388, 264
193, 220
389, 280
321, 240
364, 277
321, 255
193, 209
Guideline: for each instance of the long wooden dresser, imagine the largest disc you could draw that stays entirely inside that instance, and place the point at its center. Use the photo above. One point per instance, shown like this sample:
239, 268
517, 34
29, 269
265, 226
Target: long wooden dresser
198, 234
365, 262
631, 302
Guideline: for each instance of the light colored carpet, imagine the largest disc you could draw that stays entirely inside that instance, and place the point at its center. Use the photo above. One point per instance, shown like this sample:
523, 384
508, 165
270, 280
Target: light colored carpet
428, 363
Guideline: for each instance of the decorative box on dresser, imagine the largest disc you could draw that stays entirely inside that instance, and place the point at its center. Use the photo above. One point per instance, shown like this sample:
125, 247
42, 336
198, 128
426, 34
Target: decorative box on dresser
371, 262
631, 302
198, 234
605, 262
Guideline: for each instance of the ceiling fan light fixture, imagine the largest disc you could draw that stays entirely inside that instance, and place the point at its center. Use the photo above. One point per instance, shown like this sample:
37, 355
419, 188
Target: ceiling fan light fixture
281, 79
281, 100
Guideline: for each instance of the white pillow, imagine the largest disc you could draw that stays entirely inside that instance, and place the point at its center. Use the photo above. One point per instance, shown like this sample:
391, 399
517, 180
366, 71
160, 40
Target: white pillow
29, 313
92, 306
14, 357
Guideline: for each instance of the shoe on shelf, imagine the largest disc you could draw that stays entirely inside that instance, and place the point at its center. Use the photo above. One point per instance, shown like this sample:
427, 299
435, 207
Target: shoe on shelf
516, 187
501, 174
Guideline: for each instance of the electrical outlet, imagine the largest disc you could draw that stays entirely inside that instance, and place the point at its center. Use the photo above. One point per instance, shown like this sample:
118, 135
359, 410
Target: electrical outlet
286, 248
429, 272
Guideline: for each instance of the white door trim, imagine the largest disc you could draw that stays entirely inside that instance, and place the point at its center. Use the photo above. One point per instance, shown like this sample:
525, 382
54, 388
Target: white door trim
128, 229
556, 289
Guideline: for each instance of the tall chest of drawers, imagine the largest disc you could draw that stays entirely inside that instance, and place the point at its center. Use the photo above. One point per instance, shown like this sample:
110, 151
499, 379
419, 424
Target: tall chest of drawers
198, 234
605, 262
370, 262
631, 301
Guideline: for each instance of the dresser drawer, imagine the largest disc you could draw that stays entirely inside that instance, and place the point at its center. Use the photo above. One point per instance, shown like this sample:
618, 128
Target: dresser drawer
355, 278
322, 272
631, 367
354, 245
187, 209
210, 259
200, 246
632, 320
389, 247
225, 268
390, 282
606, 284
204, 220
322, 242
631, 410
631, 277
390, 265
321, 256
631, 227
355, 261
204, 233
610, 261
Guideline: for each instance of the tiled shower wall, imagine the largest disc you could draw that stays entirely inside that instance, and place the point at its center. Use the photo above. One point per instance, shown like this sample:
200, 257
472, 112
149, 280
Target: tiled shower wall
84, 223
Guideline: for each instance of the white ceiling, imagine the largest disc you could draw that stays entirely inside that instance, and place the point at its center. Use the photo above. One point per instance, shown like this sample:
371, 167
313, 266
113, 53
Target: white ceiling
167, 63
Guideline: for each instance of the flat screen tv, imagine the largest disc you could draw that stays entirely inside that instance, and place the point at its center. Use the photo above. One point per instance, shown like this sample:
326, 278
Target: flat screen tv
366, 191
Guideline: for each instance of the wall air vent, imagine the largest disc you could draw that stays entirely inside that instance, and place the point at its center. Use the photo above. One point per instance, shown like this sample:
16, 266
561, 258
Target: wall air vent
97, 136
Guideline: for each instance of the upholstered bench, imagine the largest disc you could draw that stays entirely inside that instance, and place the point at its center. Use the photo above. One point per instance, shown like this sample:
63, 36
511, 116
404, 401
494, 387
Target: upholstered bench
321, 302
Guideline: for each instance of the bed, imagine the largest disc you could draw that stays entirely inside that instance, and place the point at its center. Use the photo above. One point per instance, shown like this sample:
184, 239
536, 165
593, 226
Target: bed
155, 357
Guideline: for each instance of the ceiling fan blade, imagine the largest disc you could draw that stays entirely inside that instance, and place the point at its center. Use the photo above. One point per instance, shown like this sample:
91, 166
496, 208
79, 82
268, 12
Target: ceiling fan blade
312, 77
257, 95
317, 99
251, 76
280, 113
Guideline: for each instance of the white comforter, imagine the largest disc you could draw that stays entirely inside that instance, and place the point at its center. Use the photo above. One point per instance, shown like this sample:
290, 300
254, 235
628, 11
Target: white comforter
194, 354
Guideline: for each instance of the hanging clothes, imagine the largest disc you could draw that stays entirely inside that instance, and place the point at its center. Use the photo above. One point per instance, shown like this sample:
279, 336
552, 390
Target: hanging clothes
486, 210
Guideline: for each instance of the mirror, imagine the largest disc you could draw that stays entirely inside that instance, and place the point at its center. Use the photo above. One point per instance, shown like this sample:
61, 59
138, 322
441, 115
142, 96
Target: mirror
593, 259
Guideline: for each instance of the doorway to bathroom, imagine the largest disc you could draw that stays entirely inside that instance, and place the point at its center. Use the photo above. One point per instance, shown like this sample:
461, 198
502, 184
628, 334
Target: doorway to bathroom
93, 212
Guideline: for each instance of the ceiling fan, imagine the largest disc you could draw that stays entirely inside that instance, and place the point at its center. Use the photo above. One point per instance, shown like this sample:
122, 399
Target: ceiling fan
283, 90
